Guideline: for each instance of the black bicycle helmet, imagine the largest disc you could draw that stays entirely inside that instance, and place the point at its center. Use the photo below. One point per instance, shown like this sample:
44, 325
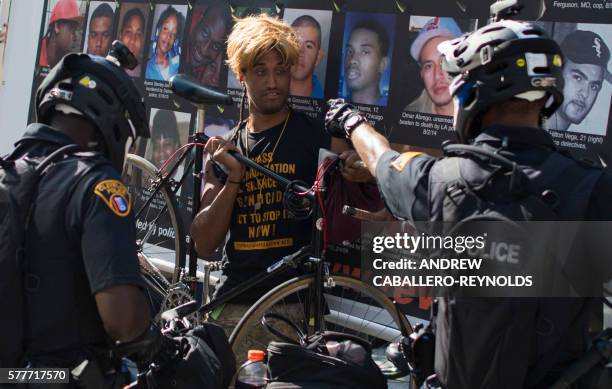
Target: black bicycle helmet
503, 60
100, 90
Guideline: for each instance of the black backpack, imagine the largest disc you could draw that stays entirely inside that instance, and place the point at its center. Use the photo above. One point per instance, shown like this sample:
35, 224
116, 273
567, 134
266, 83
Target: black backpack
205, 360
317, 363
19, 180
558, 189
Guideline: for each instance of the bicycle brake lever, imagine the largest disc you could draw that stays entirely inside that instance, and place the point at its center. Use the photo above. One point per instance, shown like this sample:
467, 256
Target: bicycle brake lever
290, 259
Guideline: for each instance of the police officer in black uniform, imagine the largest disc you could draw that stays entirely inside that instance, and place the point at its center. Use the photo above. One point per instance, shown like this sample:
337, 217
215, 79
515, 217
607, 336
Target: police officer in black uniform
84, 294
508, 79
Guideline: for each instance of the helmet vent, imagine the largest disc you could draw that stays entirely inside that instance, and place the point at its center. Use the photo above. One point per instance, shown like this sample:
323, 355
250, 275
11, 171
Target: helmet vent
541, 70
65, 86
94, 110
106, 97
532, 31
493, 28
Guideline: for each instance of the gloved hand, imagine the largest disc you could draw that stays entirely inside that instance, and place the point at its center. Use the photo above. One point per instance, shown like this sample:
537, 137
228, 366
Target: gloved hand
337, 123
150, 346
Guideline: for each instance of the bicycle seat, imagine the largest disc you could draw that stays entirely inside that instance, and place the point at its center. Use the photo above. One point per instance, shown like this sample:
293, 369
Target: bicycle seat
187, 88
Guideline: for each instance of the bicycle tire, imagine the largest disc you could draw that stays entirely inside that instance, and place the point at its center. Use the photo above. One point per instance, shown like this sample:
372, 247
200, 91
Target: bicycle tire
142, 176
378, 323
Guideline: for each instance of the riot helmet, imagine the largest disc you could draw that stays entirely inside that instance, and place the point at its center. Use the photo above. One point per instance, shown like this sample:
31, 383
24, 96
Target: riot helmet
98, 89
500, 61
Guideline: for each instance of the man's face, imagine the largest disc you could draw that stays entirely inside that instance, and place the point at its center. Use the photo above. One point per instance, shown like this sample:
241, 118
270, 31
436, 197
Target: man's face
99, 37
132, 35
163, 148
435, 79
582, 84
310, 52
268, 83
364, 61
207, 41
65, 35
167, 34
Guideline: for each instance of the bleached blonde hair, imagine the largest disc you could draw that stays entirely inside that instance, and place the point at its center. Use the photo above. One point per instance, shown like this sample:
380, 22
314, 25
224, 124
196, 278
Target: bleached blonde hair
254, 36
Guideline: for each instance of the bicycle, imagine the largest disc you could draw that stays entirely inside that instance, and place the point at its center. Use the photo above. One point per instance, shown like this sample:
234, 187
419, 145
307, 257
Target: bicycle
367, 311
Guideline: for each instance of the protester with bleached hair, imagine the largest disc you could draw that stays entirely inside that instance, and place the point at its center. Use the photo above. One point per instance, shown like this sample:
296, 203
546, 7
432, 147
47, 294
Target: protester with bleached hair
260, 50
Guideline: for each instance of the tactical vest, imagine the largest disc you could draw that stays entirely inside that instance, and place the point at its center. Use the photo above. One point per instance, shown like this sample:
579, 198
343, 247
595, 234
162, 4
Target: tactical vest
507, 342
61, 313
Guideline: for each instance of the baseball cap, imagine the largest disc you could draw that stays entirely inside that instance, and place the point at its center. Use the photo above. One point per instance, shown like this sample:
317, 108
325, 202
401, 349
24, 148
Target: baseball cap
435, 27
586, 47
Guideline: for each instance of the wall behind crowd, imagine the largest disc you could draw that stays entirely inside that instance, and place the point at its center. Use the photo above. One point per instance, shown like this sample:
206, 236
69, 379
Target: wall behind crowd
381, 55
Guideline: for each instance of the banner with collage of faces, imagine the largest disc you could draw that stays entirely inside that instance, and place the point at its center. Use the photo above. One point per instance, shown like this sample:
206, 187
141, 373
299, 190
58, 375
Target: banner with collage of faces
380, 55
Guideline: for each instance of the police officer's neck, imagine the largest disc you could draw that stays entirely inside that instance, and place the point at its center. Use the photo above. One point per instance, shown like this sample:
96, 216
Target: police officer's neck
81, 131
513, 114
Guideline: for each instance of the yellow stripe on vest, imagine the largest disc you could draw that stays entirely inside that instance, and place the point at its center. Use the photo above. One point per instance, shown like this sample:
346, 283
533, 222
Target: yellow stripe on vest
402, 160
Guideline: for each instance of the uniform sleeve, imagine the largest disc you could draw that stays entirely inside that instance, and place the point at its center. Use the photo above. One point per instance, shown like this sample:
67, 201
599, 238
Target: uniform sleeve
402, 181
108, 239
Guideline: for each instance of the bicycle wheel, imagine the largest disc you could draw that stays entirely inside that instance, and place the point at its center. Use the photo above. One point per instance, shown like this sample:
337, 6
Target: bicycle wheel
351, 307
159, 230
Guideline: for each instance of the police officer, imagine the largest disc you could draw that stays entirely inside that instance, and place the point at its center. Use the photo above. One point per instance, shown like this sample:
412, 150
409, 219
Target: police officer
508, 79
84, 292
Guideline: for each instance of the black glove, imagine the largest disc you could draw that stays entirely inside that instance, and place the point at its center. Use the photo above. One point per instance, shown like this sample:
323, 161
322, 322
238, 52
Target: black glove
337, 123
150, 346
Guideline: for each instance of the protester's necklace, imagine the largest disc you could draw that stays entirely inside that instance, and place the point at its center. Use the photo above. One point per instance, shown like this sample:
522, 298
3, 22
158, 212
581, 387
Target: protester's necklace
257, 205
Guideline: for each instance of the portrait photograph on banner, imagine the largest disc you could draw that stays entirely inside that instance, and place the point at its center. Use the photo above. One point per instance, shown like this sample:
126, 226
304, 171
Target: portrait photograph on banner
62, 31
169, 131
312, 28
131, 30
241, 12
587, 76
166, 41
367, 49
99, 29
211, 23
425, 106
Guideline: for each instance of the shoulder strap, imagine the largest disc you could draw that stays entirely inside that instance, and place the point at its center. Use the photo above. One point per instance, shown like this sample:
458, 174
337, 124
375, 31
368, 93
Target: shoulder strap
518, 180
30, 281
40, 168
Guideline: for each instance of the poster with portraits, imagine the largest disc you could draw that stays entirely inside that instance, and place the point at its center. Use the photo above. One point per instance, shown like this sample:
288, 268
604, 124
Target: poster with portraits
381, 56
62, 31
307, 85
99, 28
423, 108
131, 31
581, 122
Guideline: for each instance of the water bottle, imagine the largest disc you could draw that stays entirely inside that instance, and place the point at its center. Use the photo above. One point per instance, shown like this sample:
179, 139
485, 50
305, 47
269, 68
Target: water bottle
254, 372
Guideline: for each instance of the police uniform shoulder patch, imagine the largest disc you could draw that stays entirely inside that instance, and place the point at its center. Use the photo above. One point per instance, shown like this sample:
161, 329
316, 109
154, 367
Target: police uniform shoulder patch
402, 160
115, 195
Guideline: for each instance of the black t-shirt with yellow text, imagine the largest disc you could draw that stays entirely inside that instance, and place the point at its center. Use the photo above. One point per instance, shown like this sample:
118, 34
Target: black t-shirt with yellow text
261, 230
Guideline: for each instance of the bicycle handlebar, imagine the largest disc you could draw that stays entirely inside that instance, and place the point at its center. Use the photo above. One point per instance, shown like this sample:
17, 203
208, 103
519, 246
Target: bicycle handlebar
185, 87
200, 137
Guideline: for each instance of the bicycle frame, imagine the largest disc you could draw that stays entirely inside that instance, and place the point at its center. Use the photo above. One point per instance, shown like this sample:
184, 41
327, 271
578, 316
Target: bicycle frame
312, 255
197, 140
